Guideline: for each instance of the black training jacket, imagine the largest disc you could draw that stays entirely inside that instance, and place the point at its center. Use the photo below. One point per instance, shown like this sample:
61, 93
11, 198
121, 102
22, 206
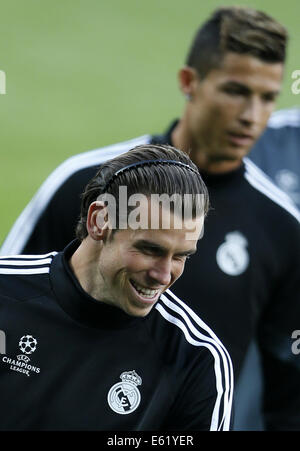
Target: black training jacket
244, 280
74, 363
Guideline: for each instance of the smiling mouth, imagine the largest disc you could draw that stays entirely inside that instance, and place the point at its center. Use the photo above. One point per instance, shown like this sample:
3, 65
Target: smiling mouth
146, 293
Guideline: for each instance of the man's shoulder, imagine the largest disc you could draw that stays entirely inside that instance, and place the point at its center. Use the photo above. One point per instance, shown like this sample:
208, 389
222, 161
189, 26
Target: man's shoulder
48, 212
73, 167
289, 117
280, 140
90, 159
279, 145
194, 354
277, 152
24, 277
71, 176
268, 196
178, 321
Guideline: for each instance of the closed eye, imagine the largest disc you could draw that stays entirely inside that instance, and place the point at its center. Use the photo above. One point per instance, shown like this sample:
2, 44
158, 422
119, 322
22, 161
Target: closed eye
186, 255
149, 248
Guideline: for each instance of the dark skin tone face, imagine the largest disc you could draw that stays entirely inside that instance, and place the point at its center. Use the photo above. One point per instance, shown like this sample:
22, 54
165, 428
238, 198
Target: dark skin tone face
228, 110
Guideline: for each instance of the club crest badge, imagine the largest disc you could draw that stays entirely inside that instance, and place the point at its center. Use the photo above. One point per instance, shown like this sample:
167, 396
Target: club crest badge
124, 397
232, 256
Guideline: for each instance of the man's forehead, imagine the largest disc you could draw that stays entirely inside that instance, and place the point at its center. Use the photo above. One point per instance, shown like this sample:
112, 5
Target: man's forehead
178, 230
240, 68
161, 211
147, 214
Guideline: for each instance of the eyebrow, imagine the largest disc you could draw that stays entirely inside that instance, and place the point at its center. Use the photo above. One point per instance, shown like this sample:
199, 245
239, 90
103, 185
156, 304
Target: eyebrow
244, 88
161, 249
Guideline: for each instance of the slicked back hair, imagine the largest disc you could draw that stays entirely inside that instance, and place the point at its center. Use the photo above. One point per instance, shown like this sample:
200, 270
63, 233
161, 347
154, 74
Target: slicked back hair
146, 177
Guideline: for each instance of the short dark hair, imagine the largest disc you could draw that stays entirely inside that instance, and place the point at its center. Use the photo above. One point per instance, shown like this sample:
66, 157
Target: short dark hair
180, 176
237, 29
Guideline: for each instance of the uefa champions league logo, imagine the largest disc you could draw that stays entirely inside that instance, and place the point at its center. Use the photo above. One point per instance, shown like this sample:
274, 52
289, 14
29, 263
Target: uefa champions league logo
27, 344
20, 363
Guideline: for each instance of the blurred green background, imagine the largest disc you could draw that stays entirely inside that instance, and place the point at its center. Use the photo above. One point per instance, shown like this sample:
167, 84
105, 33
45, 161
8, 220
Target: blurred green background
81, 74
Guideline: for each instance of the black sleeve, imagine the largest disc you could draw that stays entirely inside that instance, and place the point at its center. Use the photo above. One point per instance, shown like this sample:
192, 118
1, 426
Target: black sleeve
204, 402
280, 364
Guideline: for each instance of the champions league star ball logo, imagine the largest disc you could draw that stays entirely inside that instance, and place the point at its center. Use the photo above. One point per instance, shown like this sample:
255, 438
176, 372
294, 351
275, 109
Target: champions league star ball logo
20, 363
27, 344
124, 397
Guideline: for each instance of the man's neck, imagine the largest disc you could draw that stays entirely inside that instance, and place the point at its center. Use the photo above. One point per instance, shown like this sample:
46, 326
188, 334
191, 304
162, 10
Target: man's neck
181, 139
83, 265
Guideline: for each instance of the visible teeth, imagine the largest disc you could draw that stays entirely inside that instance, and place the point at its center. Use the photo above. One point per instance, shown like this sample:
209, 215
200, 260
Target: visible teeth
145, 291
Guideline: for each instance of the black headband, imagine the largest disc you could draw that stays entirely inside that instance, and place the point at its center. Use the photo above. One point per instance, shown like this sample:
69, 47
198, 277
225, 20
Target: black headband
148, 163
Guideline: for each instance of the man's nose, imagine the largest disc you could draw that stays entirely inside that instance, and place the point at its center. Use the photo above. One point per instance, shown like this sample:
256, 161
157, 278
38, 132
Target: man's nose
251, 112
161, 272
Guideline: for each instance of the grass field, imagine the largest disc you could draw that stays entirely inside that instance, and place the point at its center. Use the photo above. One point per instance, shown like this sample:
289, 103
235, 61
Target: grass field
81, 74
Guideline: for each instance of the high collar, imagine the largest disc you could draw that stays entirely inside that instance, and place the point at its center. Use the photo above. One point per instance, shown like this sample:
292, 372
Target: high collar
221, 180
211, 180
80, 305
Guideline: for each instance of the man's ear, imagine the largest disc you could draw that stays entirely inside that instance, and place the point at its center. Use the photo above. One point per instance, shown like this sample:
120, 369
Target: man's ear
97, 221
188, 78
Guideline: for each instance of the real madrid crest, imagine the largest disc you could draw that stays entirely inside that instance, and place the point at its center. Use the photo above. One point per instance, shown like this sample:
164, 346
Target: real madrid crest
124, 397
232, 256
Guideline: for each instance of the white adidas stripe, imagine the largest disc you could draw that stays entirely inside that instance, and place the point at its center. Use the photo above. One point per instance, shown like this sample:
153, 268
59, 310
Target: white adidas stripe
272, 196
25, 257
24, 225
25, 262
228, 368
24, 271
265, 186
217, 350
284, 118
214, 426
195, 331
196, 318
263, 178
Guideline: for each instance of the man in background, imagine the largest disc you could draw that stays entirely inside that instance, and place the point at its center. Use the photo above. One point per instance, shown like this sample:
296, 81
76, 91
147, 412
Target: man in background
247, 265
277, 152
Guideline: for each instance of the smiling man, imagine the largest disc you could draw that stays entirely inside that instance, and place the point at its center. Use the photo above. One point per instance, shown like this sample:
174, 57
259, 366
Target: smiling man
245, 276
96, 340
130, 269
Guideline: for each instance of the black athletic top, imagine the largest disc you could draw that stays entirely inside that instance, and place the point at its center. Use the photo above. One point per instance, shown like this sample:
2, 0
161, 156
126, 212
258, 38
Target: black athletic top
74, 363
244, 279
